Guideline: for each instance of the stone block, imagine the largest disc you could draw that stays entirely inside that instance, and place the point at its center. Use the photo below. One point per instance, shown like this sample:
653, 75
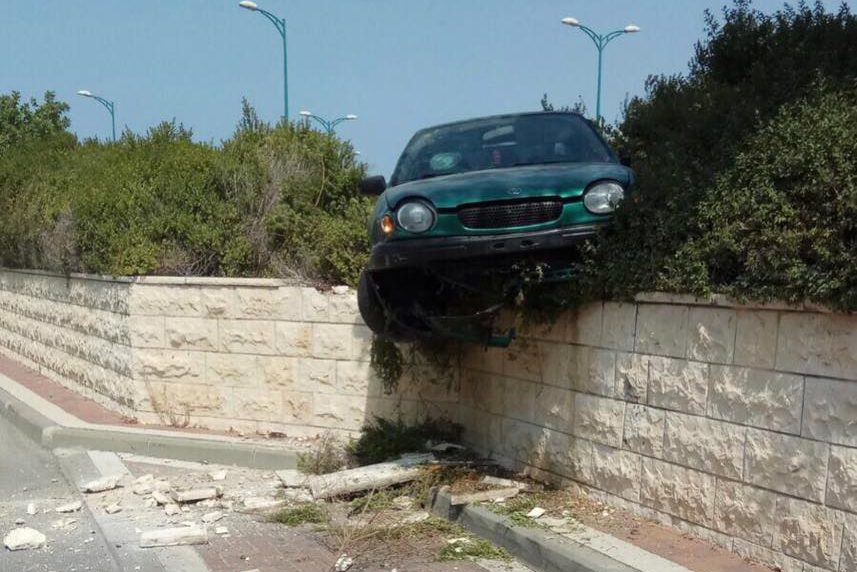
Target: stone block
255, 404
756, 339
818, 344
524, 442
314, 306
343, 308
218, 302
555, 362
232, 370
519, 399
593, 370
617, 472
332, 341
524, 361
584, 325
777, 560
553, 328
618, 326
678, 384
146, 331
632, 377
807, 531
169, 365
172, 301
494, 395
192, 334
314, 374
572, 458
279, 372
765, 399
829, 411
361, 343
288, 303
298, 407
704, 444
355, 378
848, 558
174, 401
554, 408
339, 412
681, 492
599, 419
745, 512
711, 334
790, 465
644, 430
842, 479
255, 303
247, 337
662, 330
294, 339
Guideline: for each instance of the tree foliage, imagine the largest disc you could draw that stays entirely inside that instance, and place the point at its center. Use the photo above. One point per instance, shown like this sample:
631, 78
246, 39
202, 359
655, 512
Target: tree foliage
25, 120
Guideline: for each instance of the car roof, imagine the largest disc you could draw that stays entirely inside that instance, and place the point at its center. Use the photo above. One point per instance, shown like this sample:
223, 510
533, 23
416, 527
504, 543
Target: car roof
501, 116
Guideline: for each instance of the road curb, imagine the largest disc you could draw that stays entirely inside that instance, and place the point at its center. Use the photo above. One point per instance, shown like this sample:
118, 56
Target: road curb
186, 447
542, 550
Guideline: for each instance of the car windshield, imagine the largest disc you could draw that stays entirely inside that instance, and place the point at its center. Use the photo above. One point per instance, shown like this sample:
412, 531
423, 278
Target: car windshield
500, 142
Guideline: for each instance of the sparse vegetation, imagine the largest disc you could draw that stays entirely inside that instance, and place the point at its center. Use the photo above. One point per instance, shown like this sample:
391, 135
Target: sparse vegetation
472, 548
326, 456
309, 513
384, 439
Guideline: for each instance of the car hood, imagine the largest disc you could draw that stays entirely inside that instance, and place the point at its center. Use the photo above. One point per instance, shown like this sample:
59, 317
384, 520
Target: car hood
564, 180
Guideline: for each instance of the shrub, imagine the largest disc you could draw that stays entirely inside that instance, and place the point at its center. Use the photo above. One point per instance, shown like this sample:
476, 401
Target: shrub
384, 439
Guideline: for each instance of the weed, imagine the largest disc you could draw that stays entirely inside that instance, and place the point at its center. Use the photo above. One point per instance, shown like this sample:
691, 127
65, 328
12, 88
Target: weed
309, 513
327, 456
471, 548
374, 501
516, 509
385, 439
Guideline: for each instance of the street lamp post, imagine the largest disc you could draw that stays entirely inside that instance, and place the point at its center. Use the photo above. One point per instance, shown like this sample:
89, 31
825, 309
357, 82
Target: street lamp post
600, 41
280, 24
108, 104
329, 126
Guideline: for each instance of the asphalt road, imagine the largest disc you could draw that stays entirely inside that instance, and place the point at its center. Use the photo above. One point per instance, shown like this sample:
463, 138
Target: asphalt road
30, 474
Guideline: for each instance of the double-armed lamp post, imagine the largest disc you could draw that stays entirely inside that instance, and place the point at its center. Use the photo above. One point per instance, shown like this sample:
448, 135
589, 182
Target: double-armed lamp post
328, 125
108, 104
600, 41
280, 24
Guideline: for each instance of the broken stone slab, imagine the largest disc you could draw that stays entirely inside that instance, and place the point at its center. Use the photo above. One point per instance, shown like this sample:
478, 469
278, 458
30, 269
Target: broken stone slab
24, 539
145, 479
537, 512
150, 503
161, 498
298, 495
142, 488
63, 523
195, 495
378, 476
101, 485
209, 503
483, 496
31, 509
70, 507
293, 479
172, 509
501, 482
173, 537
210, 517
262, 503
217, 475
113, 508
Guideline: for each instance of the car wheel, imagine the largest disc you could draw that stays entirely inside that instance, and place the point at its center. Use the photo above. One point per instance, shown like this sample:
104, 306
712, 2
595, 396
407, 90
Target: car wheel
374, 314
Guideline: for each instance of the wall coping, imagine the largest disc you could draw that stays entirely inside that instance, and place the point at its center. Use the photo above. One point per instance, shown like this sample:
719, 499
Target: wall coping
723, 301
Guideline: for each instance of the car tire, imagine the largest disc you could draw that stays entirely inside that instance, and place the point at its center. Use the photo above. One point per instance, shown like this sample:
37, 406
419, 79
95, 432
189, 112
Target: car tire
374, 314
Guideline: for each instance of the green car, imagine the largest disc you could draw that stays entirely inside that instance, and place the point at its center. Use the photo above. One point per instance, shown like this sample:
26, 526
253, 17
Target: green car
475, 207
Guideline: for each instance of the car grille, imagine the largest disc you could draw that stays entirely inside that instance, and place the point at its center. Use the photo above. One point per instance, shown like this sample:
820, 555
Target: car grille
510, 214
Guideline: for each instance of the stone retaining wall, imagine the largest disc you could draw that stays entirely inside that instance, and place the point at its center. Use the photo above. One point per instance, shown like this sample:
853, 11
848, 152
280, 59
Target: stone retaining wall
734, 423
250, 355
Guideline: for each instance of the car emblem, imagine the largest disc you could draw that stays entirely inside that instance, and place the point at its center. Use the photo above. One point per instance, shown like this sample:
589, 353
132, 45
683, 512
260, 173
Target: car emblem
516, 192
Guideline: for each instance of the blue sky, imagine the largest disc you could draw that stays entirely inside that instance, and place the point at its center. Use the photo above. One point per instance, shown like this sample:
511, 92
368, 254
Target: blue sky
399, 64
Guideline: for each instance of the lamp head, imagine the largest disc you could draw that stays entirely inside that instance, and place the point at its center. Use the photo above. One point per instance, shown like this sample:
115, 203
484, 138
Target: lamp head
249, 5
306, 113
631, 29
573, 22
351, 117
84, 93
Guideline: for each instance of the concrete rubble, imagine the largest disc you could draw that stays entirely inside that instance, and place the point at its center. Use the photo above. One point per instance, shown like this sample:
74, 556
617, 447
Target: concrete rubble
113, 508
537, 512
31, 509
24, 539
173, 537
217, 475
210, 517
195, 495
343, 563
101, 485
70, 507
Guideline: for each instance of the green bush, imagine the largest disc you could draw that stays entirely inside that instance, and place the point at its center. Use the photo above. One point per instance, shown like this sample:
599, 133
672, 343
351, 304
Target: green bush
782, 222
270, 201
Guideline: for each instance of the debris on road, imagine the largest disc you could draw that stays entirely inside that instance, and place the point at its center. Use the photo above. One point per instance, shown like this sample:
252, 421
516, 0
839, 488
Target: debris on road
292, 478
344, 563
113, 508
63, 523
537, 512
194, 495
447, 447
217, 475
221, 530
70, 507
495, 495
173, 537
31, 509
161, 498
172, 509
377, 476
210, 517
24, 539
101, 485
262, 503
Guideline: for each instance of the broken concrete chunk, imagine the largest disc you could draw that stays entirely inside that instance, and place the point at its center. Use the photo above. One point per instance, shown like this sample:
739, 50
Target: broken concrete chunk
162, 486
262, 503
217, 475
24, 539
142, 488
150, 503
172, 509
482, 496
298, 495
210, 517
145, 479
161, 498
537, 512
221, 530
194, 495
113, 508
208, 503
173, 537
292, 478
378, 476
344, 563
63, 523
101, 485
70, 507
31, 509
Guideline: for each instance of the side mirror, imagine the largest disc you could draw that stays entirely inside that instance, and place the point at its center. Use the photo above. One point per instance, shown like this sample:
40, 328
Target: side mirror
625, 160
373, 186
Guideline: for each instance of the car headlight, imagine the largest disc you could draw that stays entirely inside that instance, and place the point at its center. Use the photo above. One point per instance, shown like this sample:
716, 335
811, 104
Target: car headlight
415, 216
604, 197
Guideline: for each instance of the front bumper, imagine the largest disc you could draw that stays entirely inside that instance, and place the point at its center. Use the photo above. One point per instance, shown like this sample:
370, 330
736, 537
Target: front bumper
420, 251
